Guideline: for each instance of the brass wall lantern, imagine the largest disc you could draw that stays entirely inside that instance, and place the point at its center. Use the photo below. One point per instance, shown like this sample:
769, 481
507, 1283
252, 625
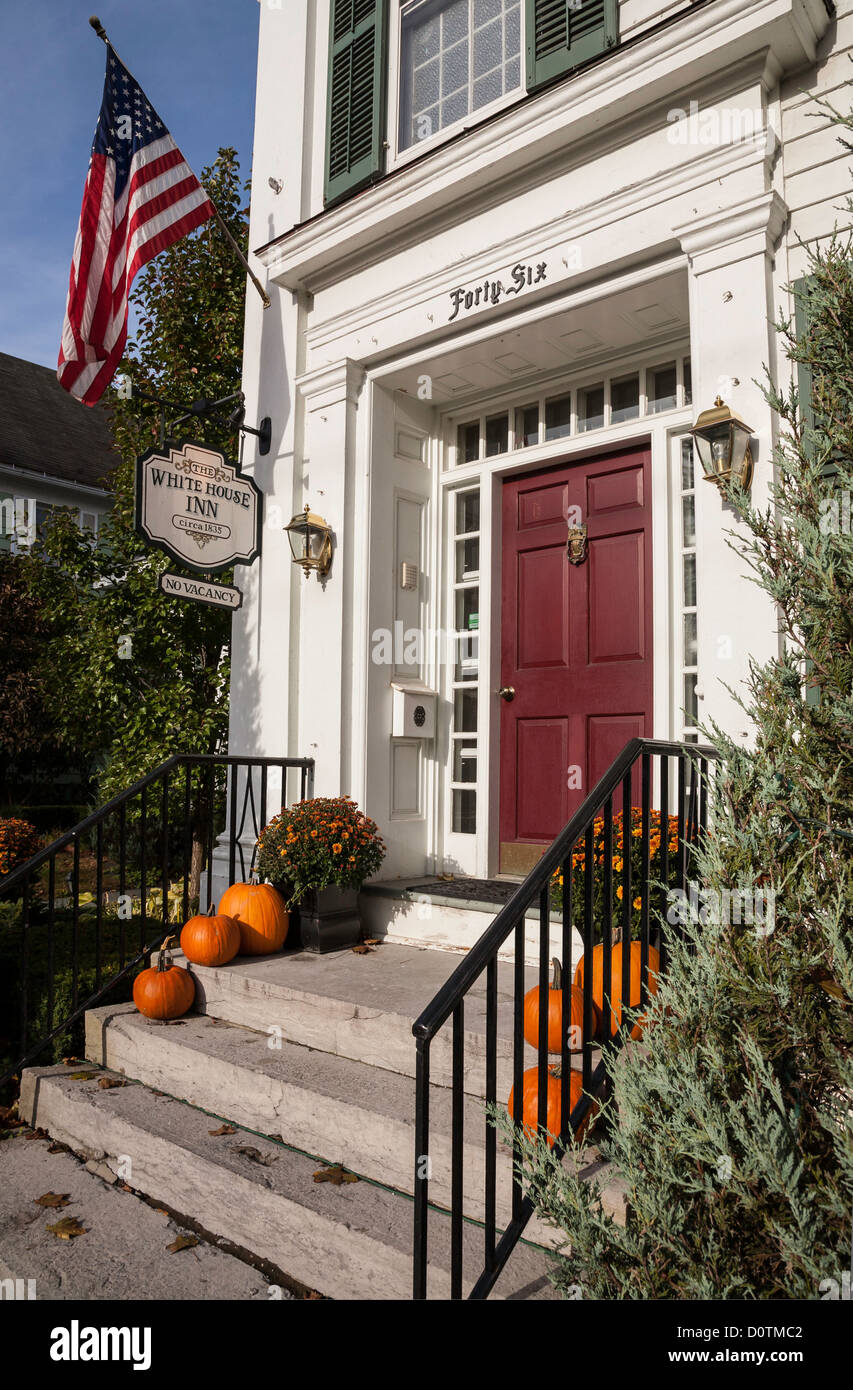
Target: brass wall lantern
722, 443
311, 542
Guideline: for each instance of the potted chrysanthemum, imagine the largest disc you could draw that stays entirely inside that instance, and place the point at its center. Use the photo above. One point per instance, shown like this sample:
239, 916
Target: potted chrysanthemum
318, 854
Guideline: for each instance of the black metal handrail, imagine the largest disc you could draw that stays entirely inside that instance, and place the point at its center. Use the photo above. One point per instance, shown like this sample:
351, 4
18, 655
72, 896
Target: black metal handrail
601, 908
164, 826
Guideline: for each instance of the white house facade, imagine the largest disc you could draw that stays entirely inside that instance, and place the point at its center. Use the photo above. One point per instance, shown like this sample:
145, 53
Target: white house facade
513, 248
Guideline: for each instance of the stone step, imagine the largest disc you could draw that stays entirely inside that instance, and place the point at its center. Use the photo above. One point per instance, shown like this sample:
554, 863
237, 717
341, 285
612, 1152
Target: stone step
352, 1241
331, 1106
363, 1007
422, 914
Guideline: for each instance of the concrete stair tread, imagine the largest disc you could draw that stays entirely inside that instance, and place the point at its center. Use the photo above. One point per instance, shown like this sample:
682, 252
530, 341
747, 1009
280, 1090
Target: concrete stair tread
352, 1241
321, 1103
364, 1006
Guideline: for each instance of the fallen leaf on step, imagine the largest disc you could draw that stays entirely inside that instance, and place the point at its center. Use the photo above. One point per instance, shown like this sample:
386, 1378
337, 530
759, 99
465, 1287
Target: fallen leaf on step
255, 1154
67, 1228
362, 950
107, 1083
53, 1199
223, 1129
71, 1061
36, 1134
312, 1295
182, 1243
336, 1174
82, 1076
57, 1147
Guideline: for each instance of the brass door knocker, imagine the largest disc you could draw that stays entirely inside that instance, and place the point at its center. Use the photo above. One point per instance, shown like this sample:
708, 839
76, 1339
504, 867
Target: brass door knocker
576, 545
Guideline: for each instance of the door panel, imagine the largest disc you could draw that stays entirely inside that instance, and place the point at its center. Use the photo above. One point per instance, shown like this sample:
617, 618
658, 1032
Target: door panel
576, 640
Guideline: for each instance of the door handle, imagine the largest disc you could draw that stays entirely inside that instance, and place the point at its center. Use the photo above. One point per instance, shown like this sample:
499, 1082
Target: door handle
506, 692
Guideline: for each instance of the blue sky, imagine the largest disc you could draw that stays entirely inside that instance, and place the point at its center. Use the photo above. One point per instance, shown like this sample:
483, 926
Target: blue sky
195, 60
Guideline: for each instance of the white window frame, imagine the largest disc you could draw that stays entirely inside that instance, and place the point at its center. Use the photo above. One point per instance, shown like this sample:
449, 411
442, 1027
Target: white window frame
398, 157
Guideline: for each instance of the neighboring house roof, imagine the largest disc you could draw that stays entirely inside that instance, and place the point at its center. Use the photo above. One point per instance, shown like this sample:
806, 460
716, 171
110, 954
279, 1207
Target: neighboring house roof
46, 431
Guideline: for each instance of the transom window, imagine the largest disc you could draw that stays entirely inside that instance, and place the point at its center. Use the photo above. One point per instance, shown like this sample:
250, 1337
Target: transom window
458, 56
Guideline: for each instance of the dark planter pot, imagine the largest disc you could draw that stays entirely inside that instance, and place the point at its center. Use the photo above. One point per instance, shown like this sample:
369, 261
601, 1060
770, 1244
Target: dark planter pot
329, 919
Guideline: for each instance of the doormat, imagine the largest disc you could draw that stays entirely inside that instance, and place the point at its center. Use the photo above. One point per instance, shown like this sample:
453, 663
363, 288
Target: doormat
477, 890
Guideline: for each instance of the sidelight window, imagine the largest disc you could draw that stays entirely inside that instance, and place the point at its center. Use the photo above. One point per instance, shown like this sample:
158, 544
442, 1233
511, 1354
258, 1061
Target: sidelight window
466, 624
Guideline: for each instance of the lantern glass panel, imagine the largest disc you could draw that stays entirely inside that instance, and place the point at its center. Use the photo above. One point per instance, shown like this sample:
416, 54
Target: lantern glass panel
739, 442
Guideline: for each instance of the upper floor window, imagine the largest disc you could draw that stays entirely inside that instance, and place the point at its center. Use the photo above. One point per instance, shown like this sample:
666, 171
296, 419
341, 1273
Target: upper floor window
457, 56
454, 61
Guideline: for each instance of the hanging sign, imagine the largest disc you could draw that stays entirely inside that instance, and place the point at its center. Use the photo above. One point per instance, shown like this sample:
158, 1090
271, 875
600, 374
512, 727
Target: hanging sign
201, 590
195, 504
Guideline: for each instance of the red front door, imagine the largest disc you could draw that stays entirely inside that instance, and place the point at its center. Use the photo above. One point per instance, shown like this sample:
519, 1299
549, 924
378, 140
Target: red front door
576, 640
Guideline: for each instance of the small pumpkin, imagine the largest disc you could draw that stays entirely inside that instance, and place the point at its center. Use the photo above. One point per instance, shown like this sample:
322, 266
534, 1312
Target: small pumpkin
555, 1014
210, 940
164, 990
530, 1102
260, 913
635, 964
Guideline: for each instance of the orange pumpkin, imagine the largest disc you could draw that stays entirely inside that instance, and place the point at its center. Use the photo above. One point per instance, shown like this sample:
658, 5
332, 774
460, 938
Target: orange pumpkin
260, 914
164, 990
555, 1014
635, 959
210, 940
530, 1101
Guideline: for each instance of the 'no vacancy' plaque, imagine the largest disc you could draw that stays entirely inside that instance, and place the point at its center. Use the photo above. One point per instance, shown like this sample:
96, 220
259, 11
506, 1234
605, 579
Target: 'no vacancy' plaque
201, 590
195, 504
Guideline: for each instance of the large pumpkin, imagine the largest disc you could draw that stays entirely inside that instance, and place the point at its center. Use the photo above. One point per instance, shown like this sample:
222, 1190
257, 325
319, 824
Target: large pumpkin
530, 1101
164, 990
555, 1014
211, 939
635, 964
260, 914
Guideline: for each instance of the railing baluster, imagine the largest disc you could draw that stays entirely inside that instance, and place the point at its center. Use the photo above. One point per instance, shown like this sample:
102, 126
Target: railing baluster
164, 852
75, 924
517, 1058
457, 1141
232, 824
588, 943
187, 846
143, 884
51, 924
25, 963
566, 1038
645, 874
99, 898
664, 857
680, 860
264, 793
542, 1049
607, 924
491, 1098
211, 798
421, 1168
122, 884
627, 892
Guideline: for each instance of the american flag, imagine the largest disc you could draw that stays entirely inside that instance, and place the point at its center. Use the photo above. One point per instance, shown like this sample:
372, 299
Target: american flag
141, 196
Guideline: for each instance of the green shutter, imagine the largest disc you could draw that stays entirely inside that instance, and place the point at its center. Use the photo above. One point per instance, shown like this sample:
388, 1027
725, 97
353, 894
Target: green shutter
562, 34
355, 123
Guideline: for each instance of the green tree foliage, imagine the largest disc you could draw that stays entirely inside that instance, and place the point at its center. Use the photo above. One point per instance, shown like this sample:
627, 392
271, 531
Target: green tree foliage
127, 671
732, 1123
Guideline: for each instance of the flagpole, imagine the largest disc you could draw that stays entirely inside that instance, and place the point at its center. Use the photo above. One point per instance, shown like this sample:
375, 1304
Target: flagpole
102, 34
